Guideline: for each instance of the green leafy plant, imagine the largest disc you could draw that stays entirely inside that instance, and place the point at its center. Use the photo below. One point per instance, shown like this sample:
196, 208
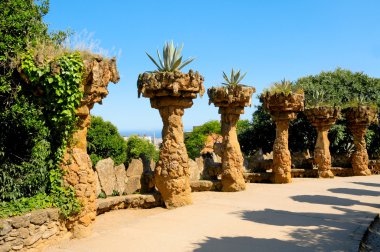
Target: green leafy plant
234, 79
284, 87
171, 60
141, 148
102, 195
104, 141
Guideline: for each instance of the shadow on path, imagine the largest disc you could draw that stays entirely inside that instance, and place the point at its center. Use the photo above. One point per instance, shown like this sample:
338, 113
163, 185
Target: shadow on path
367, 184
245, 244
352, 191
309, 231
331, 200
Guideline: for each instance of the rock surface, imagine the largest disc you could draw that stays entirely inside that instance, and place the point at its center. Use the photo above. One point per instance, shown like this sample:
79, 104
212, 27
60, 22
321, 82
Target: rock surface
359, 118
120, 175
106, 172
282, 108
322, 118
98, 72
171, 93
231, 102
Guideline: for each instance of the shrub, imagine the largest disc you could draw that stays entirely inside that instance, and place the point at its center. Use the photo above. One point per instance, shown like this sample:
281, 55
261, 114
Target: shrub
196, 139
104, 141
141, 148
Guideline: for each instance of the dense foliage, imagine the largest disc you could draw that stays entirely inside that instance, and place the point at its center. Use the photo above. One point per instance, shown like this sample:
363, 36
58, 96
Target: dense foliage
141, 148
39, 92
104, 140
340, 87
196, 139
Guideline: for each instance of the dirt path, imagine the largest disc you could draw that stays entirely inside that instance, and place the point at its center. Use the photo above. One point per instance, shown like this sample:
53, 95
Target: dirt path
307, 215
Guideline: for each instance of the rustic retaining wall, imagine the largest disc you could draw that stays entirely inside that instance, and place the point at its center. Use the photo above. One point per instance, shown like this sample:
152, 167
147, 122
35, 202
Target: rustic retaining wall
31, 231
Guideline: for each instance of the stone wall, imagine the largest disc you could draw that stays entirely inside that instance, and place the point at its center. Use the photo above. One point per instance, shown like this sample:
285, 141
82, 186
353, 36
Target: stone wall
111, 179
31, 231
374, 166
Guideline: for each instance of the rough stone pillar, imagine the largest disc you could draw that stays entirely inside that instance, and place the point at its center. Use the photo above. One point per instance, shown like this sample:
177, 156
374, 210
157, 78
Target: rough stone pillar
283, 108
322, 156
282, 163
359, 118
322, 118
232, 158
360, 156
76, 162
171, 93
172, 173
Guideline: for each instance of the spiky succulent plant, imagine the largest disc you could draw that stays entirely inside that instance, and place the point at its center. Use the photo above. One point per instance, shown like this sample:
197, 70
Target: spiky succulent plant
171, 60
234, 79
284, 87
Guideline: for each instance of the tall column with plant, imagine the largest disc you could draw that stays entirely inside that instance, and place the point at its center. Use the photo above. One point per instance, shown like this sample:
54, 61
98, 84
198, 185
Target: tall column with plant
231, 101
77, 166
171, 92
283, 102
322, 118
359, 117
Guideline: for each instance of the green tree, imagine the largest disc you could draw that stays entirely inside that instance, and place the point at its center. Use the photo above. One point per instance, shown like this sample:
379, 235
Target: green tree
141, 148
104, 141
339, 87
196, 139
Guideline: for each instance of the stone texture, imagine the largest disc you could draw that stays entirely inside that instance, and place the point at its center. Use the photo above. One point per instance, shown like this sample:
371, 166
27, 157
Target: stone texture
33, 239
5, 227
231, 102
205, 185
171, 93
213, 141
21, 221
322, 118
129, 201
135, 168
120, 175
106, 173
195, 172
359, 118
48, 233
98, 72
5, 248
38, 217
132, 184
283, 109
98, 188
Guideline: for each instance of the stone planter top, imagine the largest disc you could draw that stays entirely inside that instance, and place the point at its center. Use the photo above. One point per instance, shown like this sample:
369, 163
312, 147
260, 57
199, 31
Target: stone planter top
322, 115
173, 84
280, 102
231, 96
361, 115
98, 72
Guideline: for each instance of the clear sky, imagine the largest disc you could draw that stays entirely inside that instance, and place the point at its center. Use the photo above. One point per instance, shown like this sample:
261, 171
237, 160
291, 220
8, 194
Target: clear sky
271, 40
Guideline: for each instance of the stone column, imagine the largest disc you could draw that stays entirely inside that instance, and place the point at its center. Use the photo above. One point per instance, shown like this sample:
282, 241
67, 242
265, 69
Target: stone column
322, 156
232, 158
360, 156
172, 173
281, 154
77, 166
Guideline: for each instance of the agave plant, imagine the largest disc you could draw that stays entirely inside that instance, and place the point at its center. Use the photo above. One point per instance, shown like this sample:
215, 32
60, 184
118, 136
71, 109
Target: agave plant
234, 79
284, 87
171, 60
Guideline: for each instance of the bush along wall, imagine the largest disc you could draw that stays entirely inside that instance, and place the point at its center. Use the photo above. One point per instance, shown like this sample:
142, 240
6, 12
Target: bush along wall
51, 95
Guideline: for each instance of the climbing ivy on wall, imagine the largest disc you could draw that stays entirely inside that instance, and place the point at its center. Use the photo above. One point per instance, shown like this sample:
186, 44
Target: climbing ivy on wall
55, 88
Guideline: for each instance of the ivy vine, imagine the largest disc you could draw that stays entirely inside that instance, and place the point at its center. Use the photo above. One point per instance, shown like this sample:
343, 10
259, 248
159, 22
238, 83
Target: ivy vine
56, 86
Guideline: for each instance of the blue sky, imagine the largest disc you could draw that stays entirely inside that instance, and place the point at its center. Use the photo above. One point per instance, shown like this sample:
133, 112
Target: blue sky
271, 40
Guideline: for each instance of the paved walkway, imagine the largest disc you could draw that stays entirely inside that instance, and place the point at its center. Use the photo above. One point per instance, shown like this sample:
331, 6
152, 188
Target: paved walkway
306, 215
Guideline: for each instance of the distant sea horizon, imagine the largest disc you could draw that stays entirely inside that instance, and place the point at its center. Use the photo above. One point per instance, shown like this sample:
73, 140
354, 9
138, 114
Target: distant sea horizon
127, 133
158, 133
